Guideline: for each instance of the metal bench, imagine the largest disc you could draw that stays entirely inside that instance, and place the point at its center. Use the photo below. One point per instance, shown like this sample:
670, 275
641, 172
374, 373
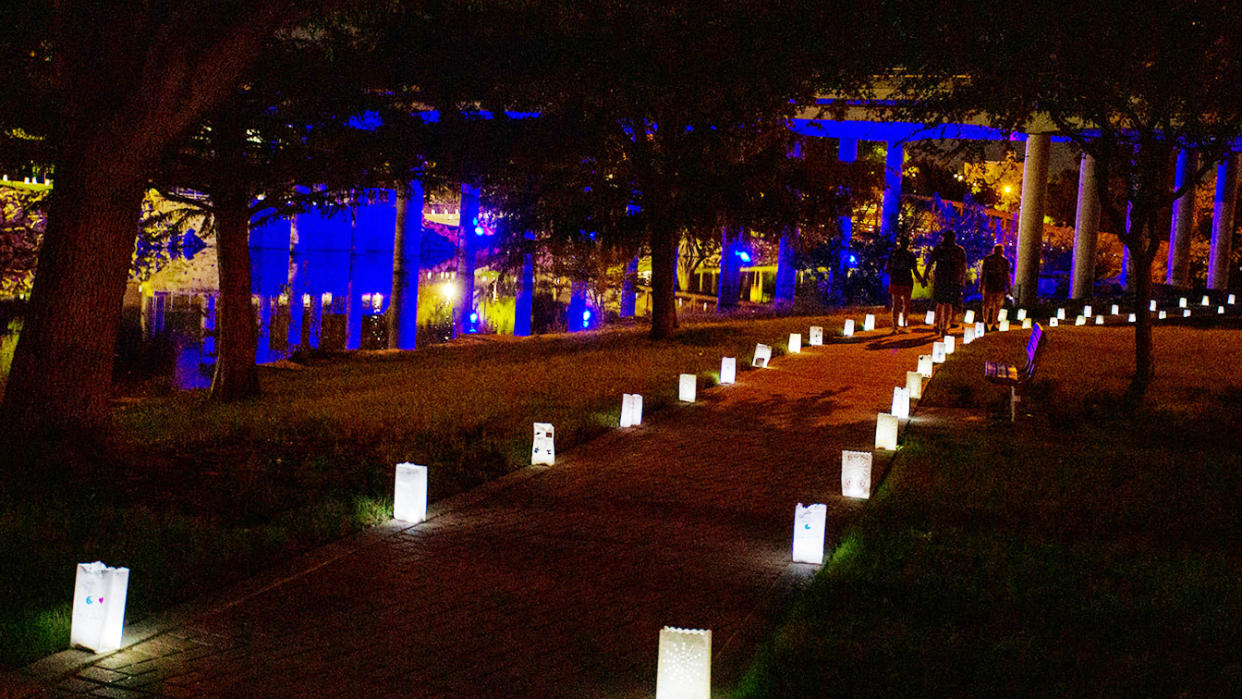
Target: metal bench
1013, 377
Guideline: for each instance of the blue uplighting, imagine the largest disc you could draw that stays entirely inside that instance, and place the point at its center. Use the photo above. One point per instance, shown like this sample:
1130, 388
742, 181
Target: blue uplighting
743, 256
586, 317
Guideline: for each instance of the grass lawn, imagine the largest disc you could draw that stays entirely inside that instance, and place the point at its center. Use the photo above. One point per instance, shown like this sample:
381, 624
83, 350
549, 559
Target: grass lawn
1084, 551
191, 495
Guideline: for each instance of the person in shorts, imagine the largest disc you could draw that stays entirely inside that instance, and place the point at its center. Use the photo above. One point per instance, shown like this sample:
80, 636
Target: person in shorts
901, 269
996, 283
946, 267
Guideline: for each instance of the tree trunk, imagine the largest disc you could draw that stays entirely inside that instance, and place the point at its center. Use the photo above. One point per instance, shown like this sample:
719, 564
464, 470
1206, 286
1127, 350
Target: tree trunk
1144, 361
62, 368
663, 280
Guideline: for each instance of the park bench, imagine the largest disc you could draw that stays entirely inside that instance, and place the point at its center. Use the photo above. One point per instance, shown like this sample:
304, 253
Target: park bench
1012, 376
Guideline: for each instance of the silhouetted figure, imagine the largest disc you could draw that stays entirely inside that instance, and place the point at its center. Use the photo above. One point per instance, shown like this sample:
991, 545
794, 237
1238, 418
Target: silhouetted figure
901, 270
946, 266
996, 282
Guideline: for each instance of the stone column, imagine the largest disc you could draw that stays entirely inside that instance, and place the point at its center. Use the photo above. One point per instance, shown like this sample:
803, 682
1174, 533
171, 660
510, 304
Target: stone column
893, 160
523, 309
1031, 217
629, 292
729, 288
353, 304
469, 218
1222, 222
406, 267
1180, 230
1086, 231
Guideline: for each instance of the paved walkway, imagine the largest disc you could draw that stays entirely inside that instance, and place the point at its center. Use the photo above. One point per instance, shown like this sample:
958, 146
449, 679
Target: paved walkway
552, 581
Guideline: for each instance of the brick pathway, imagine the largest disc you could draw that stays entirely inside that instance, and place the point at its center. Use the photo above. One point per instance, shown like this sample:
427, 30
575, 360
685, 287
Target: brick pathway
553, 581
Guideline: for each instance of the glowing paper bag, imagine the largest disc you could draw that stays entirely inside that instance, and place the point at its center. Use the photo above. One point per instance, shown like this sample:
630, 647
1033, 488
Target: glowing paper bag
1052, 322
901, 403
1220, 310
1163, 315
808, 534
1080, 320
1002, 314
1181, 302
1130, 319
1232, 299
950, 344
686, 388
968, 334
869, 321
1026, 323
1086, 311
914, 384
885, 431
1060, 314
795, 343
849, 328
1021, 314
856, 474
99, 594
937, 354
969, 317
1206, 301
925, 365
409, 497
763, 355
685, 664
930, 318
1004, 325
1152, 305
1099, 320
980, 329
543, 451
1114, 310
728, 369
1186, 313
817, 336
631, 410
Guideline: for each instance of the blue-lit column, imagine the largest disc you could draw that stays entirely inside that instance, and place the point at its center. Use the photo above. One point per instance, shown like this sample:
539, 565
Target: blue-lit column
1178, 274
729, 288
847, 149
469, 219
1222, 222
523, 310
353, 306
786, 275
1086, 232
845, 224
315, 330
209, 329
297, 285
579, 315
629, 291
894, 159
1031, 218
406, 267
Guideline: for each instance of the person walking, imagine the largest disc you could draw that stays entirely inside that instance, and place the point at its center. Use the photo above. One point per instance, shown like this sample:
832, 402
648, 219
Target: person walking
946, 267
901, 269
996, 284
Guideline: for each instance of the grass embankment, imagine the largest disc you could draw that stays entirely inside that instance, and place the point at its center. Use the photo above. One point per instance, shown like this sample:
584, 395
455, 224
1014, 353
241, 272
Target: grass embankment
192, 495
1084, 551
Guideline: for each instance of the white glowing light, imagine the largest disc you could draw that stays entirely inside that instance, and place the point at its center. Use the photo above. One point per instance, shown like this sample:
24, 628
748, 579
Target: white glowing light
816, 336
1080, 320
1086, 311
968, 334
1181, 302
1026, 323
1163, 315
901, 403
1232, 299
930, 318
869, 322
1131, 318
1152, 305
950, 344
938, 355
1021, 314
980, 330
1060, 314
1206, 301
885, 432
914, 384
1099, 320
409, 498
1002, 314
543, 451
925, 365
763, 355
631, 409
856, 474
1114, 310
969, 318
795, 343
98, 620
728, 369
808, 534
1220, 310
1186, 313
684, 670
686, 388
848, 331
1004, 325
1052, 322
